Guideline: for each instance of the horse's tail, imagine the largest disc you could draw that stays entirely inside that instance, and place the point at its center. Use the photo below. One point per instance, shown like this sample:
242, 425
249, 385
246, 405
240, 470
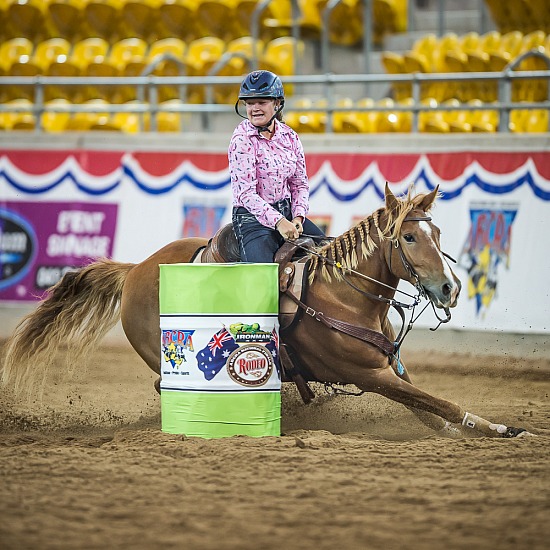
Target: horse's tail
78, 311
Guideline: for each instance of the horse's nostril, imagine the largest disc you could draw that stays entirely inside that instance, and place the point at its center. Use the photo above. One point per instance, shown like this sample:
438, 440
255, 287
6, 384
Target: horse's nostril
446, 288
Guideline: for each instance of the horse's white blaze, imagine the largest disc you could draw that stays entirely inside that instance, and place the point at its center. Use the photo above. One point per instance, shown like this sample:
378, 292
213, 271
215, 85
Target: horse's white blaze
426, 228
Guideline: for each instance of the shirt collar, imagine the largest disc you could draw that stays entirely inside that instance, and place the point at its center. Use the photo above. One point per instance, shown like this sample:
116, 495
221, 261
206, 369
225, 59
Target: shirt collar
251, 130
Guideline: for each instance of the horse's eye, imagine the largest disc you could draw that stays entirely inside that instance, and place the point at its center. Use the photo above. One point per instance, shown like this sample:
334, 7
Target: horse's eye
409, 238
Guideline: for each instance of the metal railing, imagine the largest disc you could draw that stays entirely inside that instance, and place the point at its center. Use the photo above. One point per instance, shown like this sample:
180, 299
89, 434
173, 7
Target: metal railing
146, 88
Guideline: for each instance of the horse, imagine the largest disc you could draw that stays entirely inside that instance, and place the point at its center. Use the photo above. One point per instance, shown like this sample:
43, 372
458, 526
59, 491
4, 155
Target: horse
343, 335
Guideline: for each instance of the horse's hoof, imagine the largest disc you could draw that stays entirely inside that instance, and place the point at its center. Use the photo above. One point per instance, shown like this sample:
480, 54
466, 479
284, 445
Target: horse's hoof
517, 432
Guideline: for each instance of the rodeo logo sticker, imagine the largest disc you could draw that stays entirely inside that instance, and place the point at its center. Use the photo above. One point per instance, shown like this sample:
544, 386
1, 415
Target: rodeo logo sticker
250, 365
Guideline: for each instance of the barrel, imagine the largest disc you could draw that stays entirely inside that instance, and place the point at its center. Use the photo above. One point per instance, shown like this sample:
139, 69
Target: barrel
220, 369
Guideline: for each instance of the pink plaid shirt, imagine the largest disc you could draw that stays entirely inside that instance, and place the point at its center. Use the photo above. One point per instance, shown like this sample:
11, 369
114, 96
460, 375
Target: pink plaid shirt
264, 171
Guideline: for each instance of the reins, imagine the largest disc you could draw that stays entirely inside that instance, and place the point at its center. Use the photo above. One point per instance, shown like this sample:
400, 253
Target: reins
391, 349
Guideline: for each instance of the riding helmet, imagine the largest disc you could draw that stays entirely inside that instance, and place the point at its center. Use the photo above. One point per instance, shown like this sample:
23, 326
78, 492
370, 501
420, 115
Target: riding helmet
262, 84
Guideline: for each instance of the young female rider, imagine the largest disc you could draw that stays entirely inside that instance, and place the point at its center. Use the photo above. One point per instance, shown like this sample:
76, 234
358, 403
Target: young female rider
268, 172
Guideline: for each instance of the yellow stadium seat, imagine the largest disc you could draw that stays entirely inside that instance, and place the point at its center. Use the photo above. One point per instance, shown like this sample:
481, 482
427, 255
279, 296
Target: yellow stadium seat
393, 63
366, 119
520, 15
278, 55
28, 18
482, 120
18, 56
67, 17
310, 20
430, 120
167, 46
13, 50
129, 55
272, 12
88, 120
541, 13
96, 63
201, 55
537, 121
299, 115
167, 120
500, 15
55, 121
53, 50
52, 56
142, 19
130, 123
218, 18
104, 17
387, 121
22, 119
510, 47
345, 121
389, 16
405, 118
180, 18
345, 23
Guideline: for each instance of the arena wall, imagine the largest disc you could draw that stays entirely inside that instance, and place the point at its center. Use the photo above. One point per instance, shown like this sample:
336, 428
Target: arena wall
67, 199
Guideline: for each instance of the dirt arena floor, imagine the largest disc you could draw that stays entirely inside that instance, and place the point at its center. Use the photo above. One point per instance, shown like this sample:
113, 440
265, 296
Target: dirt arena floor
87, 466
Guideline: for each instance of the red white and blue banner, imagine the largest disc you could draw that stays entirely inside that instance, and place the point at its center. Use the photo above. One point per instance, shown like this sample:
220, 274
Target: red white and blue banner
62, 209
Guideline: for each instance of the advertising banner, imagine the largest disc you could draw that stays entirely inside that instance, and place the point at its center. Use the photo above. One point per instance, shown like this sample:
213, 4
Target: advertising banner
493, 213
41, 241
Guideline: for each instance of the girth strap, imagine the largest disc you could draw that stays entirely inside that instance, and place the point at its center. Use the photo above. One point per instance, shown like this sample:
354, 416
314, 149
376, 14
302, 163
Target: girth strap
361, 333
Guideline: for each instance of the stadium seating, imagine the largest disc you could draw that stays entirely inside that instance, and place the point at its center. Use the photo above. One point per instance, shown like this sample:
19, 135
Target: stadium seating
345, 23
218, 18
55, 121
180, 18
27, 18
67, 18
104, 19
23, 119
142, 19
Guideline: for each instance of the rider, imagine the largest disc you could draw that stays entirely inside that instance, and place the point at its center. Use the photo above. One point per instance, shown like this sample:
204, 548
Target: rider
268, 172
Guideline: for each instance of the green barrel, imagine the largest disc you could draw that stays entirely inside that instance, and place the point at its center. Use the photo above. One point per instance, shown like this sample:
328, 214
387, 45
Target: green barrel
220, 370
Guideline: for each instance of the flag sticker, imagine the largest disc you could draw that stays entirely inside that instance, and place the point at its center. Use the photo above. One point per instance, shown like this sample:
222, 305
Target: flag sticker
213, 357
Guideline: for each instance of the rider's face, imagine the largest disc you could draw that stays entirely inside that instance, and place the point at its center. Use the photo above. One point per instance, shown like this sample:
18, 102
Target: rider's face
260, 111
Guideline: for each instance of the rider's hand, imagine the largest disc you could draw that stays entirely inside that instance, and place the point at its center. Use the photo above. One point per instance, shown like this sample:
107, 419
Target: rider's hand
297, 221
287, 229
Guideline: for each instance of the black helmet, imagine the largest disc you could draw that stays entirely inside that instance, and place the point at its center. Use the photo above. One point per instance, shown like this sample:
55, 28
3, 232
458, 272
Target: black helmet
262, 84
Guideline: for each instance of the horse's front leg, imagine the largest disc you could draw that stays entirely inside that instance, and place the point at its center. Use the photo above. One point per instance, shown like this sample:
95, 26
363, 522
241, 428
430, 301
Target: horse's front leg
388, 383
432, 421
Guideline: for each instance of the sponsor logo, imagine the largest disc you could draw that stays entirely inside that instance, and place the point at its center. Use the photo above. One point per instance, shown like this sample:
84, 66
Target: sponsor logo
174, 344
487, 251
18, 247
249, 333
251, 365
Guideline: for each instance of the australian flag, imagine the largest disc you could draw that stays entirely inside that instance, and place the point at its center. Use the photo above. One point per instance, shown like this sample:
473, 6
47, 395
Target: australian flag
212, 358
273, 347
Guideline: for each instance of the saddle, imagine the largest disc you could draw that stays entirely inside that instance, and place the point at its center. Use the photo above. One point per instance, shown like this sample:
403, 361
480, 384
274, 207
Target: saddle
224, 248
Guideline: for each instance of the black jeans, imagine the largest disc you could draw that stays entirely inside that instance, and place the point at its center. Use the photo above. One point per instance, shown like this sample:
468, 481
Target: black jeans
258, 243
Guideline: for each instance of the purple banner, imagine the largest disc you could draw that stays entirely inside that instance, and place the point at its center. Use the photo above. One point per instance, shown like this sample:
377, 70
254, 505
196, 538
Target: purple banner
40, 242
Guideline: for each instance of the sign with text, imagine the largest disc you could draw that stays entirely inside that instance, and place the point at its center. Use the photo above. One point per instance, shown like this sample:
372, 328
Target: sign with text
40, 242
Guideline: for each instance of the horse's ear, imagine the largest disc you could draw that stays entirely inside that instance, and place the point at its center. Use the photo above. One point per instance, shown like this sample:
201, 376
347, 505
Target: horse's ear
391, 200
429, 199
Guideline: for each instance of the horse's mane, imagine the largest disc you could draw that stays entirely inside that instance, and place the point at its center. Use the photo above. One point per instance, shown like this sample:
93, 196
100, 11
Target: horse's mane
343, 249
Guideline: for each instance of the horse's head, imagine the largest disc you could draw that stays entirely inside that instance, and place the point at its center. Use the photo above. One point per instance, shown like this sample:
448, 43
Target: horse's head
414, 253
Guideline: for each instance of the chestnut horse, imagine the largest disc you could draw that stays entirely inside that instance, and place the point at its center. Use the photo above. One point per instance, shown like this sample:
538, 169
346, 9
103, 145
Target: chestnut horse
352, 283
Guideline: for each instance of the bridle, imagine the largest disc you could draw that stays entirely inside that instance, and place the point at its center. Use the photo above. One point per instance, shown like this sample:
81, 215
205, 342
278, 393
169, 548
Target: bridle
397, 305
